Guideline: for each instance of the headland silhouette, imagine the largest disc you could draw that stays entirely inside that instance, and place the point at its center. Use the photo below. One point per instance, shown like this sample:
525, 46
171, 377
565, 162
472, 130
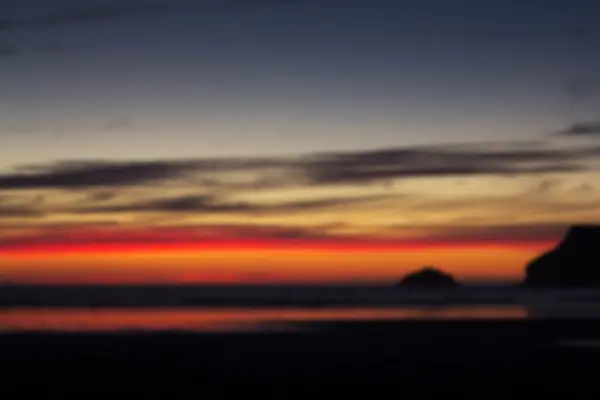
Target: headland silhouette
574, 262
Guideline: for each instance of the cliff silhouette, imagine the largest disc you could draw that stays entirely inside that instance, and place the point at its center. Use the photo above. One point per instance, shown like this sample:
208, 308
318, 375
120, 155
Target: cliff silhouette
428, 277
575, 261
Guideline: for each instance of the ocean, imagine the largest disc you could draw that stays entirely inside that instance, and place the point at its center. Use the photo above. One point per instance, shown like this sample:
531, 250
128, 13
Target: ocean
273, 308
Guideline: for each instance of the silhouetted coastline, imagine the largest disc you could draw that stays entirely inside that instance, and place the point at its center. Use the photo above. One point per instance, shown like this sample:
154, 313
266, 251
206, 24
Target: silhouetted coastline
574, 262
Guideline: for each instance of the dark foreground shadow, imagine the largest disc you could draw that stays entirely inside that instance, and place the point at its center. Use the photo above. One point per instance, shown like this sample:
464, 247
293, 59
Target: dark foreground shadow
434, 358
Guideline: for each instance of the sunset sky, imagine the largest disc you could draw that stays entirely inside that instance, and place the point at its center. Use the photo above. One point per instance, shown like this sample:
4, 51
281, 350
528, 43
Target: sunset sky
293, 141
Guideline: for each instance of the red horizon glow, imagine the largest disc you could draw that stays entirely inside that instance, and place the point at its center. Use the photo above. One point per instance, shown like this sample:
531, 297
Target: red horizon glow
261, 245
112, 258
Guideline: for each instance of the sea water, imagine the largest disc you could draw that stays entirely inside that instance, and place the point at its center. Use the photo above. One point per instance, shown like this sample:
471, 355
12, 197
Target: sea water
252, 308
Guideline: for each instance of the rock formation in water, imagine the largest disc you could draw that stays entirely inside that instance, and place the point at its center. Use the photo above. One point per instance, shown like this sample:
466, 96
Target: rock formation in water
428, 277
575, 261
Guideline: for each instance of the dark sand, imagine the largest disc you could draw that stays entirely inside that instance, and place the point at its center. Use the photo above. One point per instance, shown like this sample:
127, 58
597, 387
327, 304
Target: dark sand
470, 358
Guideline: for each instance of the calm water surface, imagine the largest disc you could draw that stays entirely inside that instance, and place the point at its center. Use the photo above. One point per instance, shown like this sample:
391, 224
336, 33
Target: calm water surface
223, 320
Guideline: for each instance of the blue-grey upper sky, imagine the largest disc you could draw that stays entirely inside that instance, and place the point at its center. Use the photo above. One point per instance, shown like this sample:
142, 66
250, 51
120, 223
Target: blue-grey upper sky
139, 79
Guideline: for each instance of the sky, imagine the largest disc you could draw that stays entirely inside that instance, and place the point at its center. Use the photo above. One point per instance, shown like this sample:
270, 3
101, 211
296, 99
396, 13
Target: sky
293, 141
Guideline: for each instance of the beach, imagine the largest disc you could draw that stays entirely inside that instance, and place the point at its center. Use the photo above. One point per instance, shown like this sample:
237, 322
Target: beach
465, 357
298, 342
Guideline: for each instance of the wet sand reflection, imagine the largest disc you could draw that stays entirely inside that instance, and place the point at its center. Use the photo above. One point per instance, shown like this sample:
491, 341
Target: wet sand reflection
221, 320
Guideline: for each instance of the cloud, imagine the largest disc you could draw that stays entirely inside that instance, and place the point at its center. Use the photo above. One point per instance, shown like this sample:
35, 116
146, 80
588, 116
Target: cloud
582, 129
105, 174
546, 185
373, 166
510, 233
19, 212
498, 208
101, 196
177, 204
211, 204
332, 202
79, 15
348, 168
118, 10
76, 15
54, 225
83, 234
93, 14
89, 175
238, 234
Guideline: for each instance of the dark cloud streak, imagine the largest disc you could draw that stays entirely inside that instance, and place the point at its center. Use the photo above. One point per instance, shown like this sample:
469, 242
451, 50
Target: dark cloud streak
78, 15
19, 212
95, 234
370, 166
491, 233
356, 168
88, 175
83, 15
582, 129
211, 204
